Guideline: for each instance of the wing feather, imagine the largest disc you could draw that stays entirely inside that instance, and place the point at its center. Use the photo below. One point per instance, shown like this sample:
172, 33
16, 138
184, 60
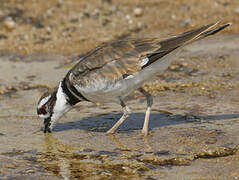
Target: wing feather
118, 59
113, 61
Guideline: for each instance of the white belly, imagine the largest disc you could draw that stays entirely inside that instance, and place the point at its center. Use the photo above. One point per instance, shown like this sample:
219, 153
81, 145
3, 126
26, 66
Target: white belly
104, 92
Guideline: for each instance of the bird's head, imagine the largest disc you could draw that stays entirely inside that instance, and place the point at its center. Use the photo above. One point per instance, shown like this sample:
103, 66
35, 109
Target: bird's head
51, 106
45, 109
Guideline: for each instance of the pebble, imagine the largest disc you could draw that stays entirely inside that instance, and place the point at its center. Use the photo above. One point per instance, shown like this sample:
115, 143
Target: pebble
236, 11
2, 36
59, 3
74, 20
48, 29
50, 12
30, 171
105, 21
96, 12
11, 166
86, 14
138, 12
127, 17
187, 22
25, 37
130, 21
141, 25
113, 8
10, 23
173, 16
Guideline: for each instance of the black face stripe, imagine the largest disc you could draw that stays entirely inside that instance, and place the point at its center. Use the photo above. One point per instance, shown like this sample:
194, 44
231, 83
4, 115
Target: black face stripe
47, 124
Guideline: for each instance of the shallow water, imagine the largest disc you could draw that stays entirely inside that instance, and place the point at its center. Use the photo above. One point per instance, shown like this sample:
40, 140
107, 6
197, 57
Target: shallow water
193, 126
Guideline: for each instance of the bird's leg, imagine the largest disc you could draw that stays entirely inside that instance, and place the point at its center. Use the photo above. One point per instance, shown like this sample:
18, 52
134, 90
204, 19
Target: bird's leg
126, 112
147, 113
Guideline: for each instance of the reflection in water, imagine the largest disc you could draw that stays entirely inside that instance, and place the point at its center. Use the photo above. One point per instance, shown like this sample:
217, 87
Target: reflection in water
118, 143
55, 153
66, 161
147, 144
122, 163
116, 140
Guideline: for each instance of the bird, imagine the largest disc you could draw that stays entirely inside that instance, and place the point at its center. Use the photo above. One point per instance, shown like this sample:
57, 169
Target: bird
114, 70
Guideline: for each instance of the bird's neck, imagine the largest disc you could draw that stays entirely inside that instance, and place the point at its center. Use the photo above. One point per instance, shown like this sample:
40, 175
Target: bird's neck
70, 92
61, 105
62, 99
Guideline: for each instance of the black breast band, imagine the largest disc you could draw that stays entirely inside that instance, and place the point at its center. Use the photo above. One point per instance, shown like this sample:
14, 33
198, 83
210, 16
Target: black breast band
73, 95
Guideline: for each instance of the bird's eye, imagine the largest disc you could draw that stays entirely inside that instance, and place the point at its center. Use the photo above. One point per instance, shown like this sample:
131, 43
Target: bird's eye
42, 110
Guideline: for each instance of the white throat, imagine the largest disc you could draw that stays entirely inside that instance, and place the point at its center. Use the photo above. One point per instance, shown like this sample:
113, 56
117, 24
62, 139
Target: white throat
60, 107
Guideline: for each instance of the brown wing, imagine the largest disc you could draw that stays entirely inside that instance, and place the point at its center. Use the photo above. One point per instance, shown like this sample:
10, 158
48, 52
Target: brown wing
119, 59
113, 61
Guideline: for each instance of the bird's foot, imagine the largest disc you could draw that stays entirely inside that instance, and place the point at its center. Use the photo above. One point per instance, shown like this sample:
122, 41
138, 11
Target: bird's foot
111, 131
145, 132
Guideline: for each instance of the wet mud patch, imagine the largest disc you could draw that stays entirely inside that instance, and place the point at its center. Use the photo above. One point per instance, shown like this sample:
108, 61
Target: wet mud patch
194, 123
70, 162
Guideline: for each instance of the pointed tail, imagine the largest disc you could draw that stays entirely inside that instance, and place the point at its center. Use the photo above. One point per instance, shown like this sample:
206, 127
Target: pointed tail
169, 45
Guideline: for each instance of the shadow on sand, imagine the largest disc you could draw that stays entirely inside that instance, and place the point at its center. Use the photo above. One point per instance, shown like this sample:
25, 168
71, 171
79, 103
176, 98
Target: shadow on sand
135, 121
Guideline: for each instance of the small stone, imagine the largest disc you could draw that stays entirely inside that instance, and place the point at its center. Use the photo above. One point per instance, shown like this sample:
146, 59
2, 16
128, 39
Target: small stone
138, 12
225, 3
141, 25
184, 64
113, 8
127, 17
59, 3
10, 23
130, 21
173, 67
236, 11
30, 171
107, 1
187, 22
105, 21
86, 14
173, 16
96, 12
67, 61
48, 29
11, 166
24, 37
74, 20
50, 12
2, 36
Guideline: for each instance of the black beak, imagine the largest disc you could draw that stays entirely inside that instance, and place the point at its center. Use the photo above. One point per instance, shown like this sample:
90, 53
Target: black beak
47, 123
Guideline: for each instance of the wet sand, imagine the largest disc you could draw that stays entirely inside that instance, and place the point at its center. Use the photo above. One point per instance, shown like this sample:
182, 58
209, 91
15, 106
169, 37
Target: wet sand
193, 126
195, 117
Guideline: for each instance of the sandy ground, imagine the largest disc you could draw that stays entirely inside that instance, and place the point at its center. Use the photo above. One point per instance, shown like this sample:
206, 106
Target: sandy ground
195, 118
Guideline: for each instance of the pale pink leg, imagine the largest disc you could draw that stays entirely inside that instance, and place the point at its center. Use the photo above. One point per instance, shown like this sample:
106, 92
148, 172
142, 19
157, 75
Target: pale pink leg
126, 112
147, 113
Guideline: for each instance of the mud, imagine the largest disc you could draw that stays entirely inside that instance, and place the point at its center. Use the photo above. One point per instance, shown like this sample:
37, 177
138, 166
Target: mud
195, 118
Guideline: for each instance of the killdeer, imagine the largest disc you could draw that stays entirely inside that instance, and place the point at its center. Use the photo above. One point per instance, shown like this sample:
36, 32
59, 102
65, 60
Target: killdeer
113, 71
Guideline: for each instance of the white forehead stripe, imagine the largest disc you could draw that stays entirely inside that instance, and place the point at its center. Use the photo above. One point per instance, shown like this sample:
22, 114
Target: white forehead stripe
144, 61
129, 77
43, 101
